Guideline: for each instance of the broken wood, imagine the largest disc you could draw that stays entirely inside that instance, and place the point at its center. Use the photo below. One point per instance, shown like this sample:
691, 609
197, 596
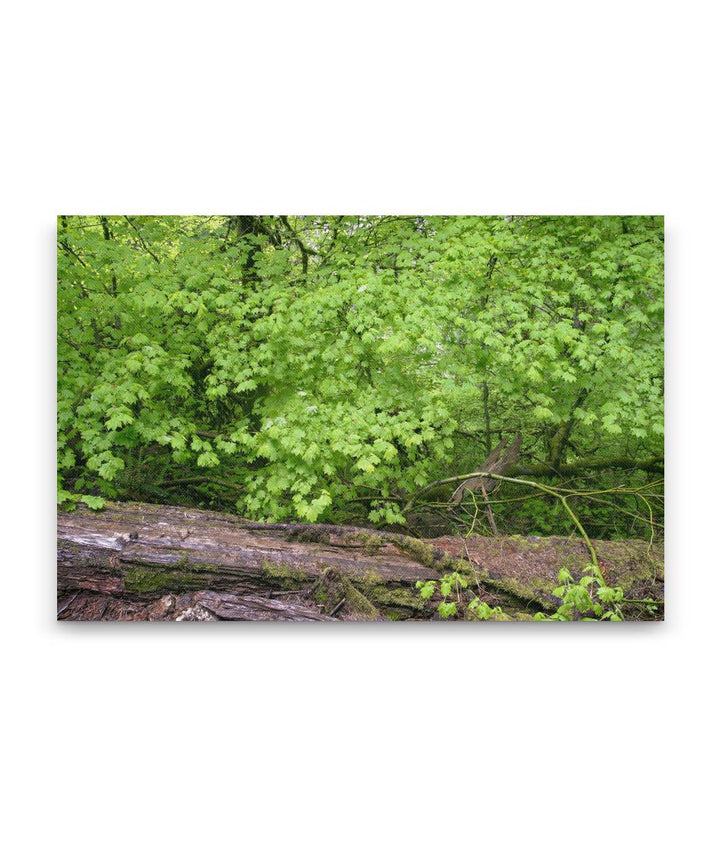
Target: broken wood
498, 462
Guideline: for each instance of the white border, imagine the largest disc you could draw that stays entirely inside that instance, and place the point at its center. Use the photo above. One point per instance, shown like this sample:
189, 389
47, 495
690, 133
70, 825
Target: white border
186, 739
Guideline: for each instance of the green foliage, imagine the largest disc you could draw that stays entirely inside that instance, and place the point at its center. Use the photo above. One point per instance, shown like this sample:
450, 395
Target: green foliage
588, 599
94, 502
323, 368
450, 587
427, 588
483, 611
69, 500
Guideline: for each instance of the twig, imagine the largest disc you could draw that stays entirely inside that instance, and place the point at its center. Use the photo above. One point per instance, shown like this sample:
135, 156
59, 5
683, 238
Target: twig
488, 511
60, 611
559, 493
142, 240
338, 606
69, 249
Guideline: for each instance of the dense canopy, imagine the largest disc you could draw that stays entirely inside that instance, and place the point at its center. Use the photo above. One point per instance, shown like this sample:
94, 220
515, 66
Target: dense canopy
326, 368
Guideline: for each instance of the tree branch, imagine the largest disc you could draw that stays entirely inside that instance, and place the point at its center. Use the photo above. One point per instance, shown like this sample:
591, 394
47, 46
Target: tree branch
304, 251
649, 465
142, 240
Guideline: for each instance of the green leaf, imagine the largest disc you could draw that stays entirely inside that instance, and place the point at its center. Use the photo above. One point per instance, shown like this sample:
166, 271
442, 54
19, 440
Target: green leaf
208, 459
118, 418
447, 609
94, 502
427, 589
564, 576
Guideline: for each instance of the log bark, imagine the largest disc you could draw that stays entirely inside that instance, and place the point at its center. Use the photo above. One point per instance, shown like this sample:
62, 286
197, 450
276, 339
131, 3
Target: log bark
146, 562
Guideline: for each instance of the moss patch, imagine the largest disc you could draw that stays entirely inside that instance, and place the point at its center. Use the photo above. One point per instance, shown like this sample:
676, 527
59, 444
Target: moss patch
402, 597
146, 580
309, 535
420, 551
372, 577
334, 590
358, 603
371, 543
285, 576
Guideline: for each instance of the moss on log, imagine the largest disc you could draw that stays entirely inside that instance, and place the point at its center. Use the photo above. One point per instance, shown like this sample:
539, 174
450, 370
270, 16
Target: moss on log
146, 562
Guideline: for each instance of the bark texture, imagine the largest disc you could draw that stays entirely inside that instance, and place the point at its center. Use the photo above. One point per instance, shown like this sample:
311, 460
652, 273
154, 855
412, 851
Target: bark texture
148, 562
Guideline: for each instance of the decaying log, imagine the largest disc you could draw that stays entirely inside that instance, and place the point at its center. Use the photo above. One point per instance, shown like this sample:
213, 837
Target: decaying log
133, 554
149, 562
193, 606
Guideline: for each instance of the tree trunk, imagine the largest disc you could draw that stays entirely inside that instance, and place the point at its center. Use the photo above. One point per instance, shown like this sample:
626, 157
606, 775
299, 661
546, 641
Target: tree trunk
150, 562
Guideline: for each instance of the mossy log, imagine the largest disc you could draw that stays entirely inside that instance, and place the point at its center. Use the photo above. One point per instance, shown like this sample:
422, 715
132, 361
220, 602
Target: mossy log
149, 562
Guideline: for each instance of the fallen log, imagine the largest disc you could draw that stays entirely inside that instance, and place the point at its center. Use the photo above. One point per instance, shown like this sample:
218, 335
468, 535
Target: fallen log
148, 562
193, 606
